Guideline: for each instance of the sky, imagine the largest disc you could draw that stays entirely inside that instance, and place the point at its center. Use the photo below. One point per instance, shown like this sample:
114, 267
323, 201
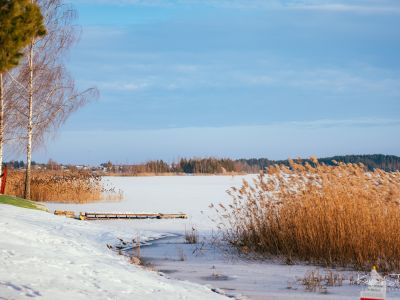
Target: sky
233, 78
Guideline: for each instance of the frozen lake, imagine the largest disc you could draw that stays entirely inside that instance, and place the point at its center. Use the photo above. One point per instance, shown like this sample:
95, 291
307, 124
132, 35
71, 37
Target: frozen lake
200, 263
165, 194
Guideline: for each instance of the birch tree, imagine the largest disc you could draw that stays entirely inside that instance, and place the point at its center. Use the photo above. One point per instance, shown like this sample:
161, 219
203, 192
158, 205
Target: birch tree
20, 22
46, 93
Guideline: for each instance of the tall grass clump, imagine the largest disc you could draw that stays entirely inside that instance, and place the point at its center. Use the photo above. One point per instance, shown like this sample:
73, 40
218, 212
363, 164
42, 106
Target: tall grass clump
62, 186
331, 215
191, 236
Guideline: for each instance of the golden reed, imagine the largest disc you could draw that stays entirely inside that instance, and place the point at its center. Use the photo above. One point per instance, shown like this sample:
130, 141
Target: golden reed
340, 215
61, 186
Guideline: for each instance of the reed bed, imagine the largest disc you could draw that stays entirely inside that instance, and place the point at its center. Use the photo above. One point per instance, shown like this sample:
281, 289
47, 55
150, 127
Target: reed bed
338, 215
62, 186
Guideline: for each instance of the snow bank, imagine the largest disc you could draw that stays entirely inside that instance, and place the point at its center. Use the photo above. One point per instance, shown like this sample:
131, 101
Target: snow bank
48, 257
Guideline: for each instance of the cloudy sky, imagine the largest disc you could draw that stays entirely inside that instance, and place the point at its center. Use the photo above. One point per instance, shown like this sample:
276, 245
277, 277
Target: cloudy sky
238, 78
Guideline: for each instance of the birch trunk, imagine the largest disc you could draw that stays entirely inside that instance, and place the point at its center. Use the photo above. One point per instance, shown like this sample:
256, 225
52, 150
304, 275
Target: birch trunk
27, 192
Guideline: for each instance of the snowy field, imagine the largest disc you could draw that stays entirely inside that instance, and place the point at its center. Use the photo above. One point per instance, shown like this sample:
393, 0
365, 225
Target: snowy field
43, 256
166, 251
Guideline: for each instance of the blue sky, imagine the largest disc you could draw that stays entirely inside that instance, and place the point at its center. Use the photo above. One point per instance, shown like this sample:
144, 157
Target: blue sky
239, 78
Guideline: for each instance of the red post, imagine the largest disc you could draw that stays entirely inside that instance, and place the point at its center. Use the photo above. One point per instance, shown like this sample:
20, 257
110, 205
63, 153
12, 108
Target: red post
3, 180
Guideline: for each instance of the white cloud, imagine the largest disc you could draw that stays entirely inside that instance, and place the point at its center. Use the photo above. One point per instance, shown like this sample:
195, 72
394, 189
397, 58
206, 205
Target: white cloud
337, 123
327, 79
343, 7
355, 6
120, 2
336, 80
122, 86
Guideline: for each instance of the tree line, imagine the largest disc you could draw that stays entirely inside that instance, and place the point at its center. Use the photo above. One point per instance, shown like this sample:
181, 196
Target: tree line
37, 94
388, 163
254, 165
188, 166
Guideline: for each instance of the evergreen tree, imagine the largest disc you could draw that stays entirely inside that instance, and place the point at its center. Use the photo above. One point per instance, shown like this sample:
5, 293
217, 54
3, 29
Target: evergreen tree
20, 21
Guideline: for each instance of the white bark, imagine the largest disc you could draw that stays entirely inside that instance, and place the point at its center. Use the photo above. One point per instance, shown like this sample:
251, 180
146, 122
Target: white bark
27, 193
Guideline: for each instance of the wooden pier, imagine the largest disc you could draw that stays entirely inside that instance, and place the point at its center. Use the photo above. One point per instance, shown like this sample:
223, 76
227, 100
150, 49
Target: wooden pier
113, 216
127, 216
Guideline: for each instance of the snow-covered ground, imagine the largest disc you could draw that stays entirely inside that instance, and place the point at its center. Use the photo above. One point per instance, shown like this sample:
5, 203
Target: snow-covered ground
201, 264
48, 257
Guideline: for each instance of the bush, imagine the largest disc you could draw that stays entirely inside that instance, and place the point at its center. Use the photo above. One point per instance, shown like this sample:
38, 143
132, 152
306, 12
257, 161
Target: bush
331, 215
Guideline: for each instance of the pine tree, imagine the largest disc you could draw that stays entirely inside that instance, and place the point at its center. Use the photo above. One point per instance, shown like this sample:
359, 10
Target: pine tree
20, 20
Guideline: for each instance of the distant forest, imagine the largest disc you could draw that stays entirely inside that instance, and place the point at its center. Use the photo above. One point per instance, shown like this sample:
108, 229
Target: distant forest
254, 165
373, 161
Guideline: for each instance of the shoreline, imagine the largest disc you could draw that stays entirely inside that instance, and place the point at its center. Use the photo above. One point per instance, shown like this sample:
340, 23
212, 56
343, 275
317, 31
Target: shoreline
174, 174
206, 264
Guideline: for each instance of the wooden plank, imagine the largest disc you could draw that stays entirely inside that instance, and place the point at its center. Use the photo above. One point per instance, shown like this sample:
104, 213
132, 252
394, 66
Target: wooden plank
66, 213
99, 216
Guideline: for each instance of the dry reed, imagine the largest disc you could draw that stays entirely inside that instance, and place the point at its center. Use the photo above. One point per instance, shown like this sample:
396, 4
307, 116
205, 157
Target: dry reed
330, 215
62, 186
191, 236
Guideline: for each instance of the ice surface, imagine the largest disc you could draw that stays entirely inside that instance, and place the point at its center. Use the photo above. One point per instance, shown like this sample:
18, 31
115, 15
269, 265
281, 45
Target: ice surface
165, 194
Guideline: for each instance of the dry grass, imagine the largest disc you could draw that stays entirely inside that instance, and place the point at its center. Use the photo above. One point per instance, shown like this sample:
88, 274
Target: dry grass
330, 215
59, 186
191, 236
314, 281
